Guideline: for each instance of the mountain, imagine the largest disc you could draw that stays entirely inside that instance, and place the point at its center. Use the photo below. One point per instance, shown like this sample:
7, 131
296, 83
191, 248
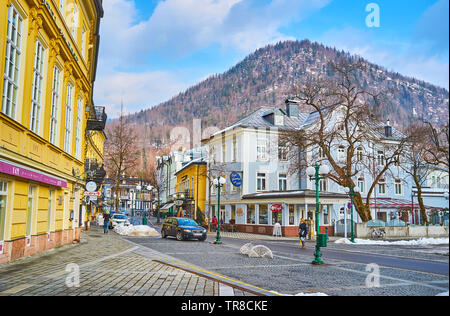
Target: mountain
265, 77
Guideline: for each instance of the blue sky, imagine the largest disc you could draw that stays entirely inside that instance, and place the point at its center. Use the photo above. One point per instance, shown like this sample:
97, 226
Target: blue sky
151, 50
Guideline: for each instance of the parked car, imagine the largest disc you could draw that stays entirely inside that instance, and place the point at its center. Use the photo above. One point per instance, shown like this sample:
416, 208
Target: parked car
182, 229
119, 219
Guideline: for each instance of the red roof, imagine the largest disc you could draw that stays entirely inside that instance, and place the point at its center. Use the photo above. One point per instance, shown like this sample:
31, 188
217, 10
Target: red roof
389, 203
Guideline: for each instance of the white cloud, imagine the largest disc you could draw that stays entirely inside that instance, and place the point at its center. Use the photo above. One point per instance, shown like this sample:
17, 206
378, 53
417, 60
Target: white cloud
176, 29
409, 59
137, 90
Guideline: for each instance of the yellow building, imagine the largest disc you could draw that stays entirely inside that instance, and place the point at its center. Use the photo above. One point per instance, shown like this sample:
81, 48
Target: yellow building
94, 171
191, 189
48, 58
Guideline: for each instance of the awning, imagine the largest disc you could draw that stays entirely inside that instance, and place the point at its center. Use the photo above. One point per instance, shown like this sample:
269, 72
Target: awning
399, 204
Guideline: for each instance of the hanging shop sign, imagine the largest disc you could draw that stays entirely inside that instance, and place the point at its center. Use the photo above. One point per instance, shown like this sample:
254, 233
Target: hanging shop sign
91, 186
276, 208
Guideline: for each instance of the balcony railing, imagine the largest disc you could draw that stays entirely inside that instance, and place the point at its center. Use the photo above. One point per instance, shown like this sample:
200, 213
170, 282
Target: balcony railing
97, 122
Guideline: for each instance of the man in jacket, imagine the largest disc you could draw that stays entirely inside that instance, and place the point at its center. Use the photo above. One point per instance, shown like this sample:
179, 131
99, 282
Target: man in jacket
302, 232
106, 219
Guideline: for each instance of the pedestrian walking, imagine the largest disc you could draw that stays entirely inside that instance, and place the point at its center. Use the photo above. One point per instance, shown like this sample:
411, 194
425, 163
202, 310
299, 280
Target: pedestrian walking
302, 232
106, 218
214, 224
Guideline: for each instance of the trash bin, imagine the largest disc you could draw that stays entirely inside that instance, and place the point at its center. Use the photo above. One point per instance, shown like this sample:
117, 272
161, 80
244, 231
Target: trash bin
322, 240
144, 221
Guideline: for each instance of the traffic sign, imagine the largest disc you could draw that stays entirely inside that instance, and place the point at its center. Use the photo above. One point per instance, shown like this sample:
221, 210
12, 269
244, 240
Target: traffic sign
92, 193
236, 179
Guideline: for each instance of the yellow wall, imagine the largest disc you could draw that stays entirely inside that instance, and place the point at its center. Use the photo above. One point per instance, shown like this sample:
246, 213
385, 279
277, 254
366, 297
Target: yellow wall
43, 21
190, 173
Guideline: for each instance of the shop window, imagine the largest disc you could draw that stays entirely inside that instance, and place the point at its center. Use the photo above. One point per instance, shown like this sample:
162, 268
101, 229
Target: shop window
263, 214
3, 202
251, 214
291, 214
277, 217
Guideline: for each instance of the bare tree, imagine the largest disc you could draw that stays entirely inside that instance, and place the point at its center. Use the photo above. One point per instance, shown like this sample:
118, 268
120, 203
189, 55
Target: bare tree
342, 121
414, 160
438, 149
121, 152
158, 184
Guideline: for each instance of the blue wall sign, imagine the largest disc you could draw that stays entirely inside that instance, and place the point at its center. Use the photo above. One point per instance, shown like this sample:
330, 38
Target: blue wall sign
236, 179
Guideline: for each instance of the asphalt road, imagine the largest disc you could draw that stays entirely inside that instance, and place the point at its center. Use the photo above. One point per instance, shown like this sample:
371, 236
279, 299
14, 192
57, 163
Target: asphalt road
419, 265
403, 271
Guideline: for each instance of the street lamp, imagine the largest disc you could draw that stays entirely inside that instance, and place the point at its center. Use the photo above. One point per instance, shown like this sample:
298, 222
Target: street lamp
219, 183
318, 173
352, 190
136, 198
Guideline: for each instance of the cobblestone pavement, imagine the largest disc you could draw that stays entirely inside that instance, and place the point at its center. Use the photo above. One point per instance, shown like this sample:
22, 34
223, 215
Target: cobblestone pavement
108, 266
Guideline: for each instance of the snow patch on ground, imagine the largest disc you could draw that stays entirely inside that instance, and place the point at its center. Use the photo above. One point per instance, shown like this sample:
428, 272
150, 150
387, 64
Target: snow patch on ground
140, 231
443, 294
418, 242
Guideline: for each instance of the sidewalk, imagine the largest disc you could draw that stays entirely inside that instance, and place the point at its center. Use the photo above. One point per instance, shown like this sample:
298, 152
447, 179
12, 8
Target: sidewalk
108, 266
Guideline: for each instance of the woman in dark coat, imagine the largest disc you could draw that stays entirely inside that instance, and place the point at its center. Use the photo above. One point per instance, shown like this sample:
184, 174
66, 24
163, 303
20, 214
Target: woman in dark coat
302, 232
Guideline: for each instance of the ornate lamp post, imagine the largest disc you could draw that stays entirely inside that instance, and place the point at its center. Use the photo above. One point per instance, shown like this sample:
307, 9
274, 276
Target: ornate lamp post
352, 190
219, 183
318, 173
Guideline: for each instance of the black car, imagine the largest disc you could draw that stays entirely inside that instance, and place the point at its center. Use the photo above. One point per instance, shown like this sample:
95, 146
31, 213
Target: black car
182, 229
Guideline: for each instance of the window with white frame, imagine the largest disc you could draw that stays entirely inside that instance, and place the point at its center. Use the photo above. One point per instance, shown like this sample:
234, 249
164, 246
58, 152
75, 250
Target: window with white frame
30, 208
261, 181
83, 42
282, 182
382, 186
381, 158
3, 205
36, 92
50, 210
12, 62
323, 185
398, 187
74, 20
341, 154
362, 185
78, 128
359, 154
224, 152
234, 153
282, 153
322, 154
261, 150
213, 187
55, 105
68, 126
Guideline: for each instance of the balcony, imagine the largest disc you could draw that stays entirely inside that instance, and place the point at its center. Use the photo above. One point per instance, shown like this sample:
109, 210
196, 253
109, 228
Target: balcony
94, 171
97, 122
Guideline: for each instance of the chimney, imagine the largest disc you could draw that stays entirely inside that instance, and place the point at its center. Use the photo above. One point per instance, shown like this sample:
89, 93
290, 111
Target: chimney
388, 129
292, 108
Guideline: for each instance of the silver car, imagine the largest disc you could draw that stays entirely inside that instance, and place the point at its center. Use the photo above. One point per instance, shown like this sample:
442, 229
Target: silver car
119, 219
